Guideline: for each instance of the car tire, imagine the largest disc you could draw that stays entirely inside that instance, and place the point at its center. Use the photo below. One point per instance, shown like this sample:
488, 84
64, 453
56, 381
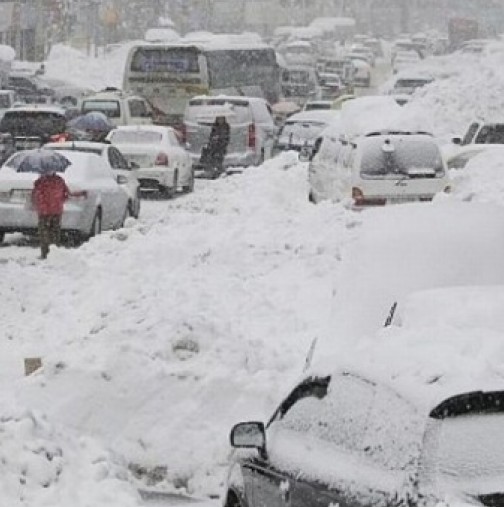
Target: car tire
169, 192
96, 226
187, 189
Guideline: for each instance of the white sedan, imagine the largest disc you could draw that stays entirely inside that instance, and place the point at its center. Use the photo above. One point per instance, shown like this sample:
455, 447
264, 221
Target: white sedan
163, 164
124, 171
102, 204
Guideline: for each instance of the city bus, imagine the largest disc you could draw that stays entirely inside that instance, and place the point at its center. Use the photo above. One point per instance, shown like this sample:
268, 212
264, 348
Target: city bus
168, 75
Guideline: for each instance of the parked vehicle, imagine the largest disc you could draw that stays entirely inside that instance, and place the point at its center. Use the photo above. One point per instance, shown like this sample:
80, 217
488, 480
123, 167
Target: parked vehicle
362, 73
362, 52
33, 126
103, 206
482, 132
163, 164
331, 85
251, 122
343, 437
169, 75
64, 93
338, 65
299, 53
29, 89
466, 153
125, 172
405, 59
302, 129
381, 168
300, 84
120, 108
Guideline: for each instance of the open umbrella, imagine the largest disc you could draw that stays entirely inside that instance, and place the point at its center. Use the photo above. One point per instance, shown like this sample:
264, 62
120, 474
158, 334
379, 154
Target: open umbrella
94, 120
40, 161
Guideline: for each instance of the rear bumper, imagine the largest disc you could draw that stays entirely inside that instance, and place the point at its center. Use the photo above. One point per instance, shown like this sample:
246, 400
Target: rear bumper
150, 178
244, 159
17, 218
370, 201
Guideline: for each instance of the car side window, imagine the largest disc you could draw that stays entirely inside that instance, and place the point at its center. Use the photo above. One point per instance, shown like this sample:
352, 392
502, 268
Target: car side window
471, 132
112, 159
138, 108
120, 161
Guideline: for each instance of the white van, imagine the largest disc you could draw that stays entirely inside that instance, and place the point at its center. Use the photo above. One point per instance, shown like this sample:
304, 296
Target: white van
378, 168
386, 168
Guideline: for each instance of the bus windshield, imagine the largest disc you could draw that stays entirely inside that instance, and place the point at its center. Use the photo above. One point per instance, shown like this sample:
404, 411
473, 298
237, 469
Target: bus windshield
172, 59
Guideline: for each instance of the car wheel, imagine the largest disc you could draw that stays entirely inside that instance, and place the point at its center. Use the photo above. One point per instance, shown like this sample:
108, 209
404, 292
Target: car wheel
190, 186
170, 192
96, 226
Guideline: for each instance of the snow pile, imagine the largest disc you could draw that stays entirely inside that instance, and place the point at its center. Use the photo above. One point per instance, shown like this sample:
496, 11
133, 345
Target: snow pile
156, 339
482, 179
40, 465
69, 64
465, 87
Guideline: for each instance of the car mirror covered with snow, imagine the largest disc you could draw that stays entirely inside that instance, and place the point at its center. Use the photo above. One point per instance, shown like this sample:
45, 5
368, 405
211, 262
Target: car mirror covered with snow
249, 435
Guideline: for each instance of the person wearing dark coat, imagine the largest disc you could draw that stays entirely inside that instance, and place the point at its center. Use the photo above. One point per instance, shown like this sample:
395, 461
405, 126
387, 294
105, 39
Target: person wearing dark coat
219, 141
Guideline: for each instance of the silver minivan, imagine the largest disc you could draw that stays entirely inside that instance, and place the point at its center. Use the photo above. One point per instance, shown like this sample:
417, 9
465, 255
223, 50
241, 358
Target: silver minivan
252, 130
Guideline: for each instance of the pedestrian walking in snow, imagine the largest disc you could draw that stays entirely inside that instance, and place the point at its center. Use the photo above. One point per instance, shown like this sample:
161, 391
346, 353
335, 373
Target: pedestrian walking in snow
49, 195
219, 141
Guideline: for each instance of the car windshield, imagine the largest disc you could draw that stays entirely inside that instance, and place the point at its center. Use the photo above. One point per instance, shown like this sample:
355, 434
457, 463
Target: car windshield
32, 123
136, 137
111, 108
388, 157
471, 446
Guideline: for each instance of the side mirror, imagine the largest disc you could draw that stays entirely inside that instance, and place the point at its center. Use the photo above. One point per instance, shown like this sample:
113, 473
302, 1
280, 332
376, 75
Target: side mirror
457, 140
134, 166
249, 435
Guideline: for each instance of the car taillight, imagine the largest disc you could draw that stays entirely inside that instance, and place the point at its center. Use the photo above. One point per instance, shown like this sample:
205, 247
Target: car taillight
357, 195
252, 136
162, 159
60, 138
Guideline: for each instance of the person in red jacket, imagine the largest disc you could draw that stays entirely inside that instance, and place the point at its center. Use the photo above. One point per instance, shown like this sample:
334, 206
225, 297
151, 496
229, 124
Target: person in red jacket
49, 195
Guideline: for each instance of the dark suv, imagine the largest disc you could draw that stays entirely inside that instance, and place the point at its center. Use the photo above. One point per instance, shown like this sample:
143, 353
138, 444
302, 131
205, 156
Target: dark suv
344, 440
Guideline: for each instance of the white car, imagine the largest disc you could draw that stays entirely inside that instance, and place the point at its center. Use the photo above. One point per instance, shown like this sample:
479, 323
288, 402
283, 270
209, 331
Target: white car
462, 156
405, 59
163, 164
103, 206
124, 171
377, 169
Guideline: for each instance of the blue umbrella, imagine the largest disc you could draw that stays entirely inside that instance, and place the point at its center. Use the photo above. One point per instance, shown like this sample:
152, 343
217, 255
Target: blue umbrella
40, 161
94, 120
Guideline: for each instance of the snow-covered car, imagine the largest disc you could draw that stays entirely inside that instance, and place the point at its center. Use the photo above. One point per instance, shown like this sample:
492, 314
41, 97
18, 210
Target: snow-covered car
362, 72
404, 60
331, 85
64, 93
163, 164
461, 157
252, 128
103, 205
351, 437
300, 84
482, 132
302, 129
387, 168
124, 171
121, 108
363, 52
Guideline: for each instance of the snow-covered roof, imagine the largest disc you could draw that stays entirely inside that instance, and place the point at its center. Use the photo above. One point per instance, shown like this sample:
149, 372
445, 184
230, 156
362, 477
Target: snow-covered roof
161, 35
324, 115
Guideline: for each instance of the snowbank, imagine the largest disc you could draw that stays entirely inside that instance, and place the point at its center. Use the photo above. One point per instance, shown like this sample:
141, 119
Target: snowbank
465, 87
44, 466
156, 339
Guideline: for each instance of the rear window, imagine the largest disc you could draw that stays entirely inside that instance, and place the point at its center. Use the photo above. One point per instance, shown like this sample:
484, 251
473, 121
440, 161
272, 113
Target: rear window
389, 157
32, 123
111, 108
136, 137
206, 110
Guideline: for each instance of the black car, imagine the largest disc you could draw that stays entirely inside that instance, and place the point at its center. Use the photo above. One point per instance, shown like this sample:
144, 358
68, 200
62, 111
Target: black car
344, 440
